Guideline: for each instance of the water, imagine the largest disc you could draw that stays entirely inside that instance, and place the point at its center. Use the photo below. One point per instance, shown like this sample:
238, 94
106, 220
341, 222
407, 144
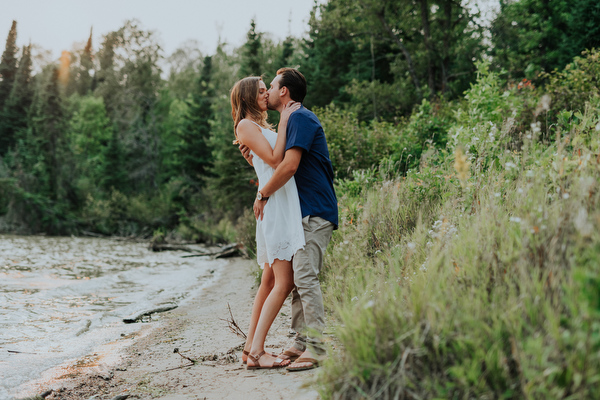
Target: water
62, 297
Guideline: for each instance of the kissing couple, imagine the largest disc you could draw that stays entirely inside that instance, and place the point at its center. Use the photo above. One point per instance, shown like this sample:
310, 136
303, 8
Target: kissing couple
295, 210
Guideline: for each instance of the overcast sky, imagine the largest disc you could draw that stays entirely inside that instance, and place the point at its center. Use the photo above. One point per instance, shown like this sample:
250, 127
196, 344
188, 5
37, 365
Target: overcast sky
56, 24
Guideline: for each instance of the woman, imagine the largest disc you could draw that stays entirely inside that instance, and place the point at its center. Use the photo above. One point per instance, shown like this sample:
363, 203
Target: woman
279, 234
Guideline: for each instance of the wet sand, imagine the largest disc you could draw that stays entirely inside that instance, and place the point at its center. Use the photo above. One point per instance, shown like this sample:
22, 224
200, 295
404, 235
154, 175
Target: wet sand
149, 367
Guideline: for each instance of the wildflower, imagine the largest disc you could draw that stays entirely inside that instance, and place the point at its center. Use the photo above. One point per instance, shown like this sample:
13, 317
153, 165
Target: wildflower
510, 165
598, 127
543, 105
582, 224
515, 219
536, 127
497, 194
411, 245
565, 196
461, 165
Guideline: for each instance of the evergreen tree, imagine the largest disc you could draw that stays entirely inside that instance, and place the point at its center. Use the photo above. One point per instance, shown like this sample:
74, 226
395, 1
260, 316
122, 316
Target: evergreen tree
250, 64
231, 183
107, 85
15, 113
48, 132
534, 36
114, 176
8, 65
85, 83
287, 50
194, 153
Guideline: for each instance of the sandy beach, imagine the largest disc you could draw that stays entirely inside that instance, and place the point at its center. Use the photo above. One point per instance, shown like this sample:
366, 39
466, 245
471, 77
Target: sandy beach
153, 364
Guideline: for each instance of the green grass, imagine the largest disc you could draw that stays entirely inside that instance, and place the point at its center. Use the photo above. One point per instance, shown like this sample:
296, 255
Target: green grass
485, 288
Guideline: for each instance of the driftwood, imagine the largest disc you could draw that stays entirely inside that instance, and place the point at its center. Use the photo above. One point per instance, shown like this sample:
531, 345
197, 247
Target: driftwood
231, 250
135, 317
154, 246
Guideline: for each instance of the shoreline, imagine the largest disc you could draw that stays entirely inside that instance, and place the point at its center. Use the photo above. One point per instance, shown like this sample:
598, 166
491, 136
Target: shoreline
155, 365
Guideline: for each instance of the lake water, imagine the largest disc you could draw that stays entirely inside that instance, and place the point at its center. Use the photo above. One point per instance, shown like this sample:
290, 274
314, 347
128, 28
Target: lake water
63, 297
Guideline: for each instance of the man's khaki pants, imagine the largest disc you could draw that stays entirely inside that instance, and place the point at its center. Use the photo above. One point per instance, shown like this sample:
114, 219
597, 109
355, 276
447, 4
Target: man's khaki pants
308, 314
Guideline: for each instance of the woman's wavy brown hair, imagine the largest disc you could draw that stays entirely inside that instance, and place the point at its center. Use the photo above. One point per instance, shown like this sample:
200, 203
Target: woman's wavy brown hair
244, 104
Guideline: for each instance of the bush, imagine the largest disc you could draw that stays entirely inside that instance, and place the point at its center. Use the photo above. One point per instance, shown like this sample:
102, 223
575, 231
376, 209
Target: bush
474, 277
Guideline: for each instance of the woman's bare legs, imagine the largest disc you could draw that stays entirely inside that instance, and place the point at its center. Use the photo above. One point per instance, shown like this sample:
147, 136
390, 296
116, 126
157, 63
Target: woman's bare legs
266, 285
284, 283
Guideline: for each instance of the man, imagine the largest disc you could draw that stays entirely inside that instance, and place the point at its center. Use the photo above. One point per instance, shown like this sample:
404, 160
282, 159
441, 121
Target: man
307, 159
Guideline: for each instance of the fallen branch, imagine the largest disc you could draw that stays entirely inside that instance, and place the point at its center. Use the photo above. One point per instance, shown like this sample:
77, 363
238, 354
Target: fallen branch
232, 325
138, 315
231, 250
176, 350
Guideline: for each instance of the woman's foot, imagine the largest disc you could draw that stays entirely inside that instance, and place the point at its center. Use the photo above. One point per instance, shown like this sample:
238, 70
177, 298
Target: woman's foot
265, 360
246, 352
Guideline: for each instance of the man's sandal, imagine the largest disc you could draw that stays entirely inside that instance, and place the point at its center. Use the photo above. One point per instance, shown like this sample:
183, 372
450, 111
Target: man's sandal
289, 355
277, 364
294, 367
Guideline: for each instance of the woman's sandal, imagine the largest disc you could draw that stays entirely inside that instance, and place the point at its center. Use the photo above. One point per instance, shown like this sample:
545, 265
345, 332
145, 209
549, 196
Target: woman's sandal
247, 353
277, 364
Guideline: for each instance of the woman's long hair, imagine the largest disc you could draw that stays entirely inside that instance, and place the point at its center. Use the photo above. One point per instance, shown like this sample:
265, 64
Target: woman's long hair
244, 104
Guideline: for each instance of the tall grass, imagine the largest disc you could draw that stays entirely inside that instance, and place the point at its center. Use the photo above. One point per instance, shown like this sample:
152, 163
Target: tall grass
476, 276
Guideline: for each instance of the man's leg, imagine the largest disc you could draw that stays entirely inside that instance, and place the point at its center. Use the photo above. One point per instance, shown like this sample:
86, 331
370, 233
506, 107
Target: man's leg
307, 265
298, 324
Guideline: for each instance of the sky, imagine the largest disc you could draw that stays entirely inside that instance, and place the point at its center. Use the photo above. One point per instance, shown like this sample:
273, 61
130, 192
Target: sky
56, 25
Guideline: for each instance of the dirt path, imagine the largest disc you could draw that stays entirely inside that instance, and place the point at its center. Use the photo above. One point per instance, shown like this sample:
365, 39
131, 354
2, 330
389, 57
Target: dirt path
150, 369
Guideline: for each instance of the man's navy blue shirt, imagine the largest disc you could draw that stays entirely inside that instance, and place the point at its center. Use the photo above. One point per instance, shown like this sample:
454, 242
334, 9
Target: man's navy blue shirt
314, 176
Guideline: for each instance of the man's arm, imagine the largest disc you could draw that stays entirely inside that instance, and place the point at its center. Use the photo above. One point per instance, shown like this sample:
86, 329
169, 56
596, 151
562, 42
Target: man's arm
282, 174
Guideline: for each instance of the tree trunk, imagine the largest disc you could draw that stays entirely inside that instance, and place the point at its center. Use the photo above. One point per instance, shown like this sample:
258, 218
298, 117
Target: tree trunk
447, 34
428, 46
411, 67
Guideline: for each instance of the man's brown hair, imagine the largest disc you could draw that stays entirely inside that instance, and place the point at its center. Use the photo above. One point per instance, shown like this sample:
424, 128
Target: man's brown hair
292, 79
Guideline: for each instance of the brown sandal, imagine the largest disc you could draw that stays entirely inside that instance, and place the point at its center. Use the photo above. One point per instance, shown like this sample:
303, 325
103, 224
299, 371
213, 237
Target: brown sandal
288, 355
295, 367
247, 353
276, 364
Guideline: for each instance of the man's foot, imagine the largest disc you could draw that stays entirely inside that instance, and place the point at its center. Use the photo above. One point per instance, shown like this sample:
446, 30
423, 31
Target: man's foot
265, 360
308, 360
291, 354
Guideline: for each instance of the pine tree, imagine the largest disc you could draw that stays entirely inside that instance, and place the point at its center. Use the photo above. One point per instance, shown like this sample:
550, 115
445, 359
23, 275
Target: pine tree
232, 181
14, 115
8, 65
113, 174
86, 66
287, 51
48, 131
250, 64
194, 152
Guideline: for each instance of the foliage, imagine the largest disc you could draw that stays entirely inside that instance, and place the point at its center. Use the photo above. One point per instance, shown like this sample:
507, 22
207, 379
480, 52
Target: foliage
534, 36
493, 281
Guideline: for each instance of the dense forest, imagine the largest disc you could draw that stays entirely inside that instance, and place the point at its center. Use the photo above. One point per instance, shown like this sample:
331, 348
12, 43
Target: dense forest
118, 138
467, 166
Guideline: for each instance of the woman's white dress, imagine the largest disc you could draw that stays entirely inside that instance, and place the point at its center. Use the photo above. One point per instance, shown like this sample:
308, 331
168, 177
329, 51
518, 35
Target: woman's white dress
279, 234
